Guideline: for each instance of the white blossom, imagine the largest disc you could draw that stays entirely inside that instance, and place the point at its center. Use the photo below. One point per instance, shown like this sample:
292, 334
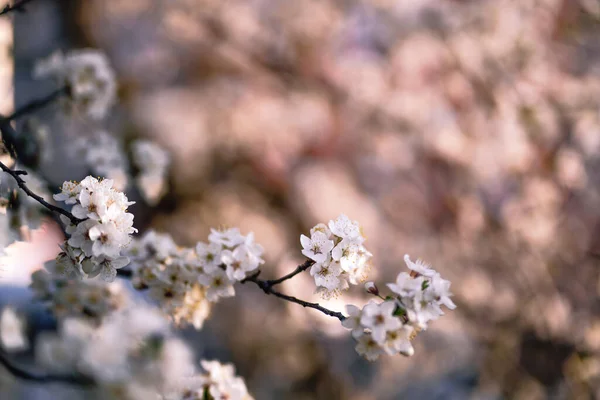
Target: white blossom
87, 74
329, 275
227, 238
217, 285
419, 267
107, 267
379, 319
352, 321
399, 341
240, 261
104, 155
12, 331
406, 286
153, 163
368, 347
345, 228
69, 193
317, 247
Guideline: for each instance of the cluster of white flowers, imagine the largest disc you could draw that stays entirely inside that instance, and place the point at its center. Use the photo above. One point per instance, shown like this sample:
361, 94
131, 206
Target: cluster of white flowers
170, 272
131, 355
89, 299
389, 327
228, 257
218, 382
88, 76
95, 245
185, 281
339, 255
152, 162
104, 155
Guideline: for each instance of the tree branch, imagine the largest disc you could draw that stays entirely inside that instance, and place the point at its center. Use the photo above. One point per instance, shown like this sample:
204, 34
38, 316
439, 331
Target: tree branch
300, 268
17, 177
38, 104
267, 287
18, 5
24, 374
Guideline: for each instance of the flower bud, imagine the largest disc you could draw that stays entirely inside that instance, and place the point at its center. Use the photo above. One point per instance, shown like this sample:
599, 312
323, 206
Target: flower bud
370, 287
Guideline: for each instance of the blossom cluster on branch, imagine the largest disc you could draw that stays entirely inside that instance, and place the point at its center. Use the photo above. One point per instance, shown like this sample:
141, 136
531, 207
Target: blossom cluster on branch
185, 281
339, 255
126, 348
389, 327
105, 226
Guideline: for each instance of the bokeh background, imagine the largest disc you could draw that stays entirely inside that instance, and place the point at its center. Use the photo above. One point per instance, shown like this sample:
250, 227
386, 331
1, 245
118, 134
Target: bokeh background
464, 132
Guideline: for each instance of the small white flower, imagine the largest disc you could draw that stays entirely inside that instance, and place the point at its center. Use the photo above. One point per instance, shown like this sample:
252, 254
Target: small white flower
91, 205
222, 382
217, 285
153, 162
380, 319
106, 267
368, 347
239, 262
317, 247
321, 228
69, 193
352, 321
419, 267
158, 245
406, 286
107, 240
92, 184
69, 226
439, 291
89, 76
398, 341
209, 255
328, 275
227, 238
12, 331
345, 228
352, 256
68, 262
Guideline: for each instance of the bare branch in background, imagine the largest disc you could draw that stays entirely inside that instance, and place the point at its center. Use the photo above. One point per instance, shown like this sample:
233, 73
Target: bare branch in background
18, 5
37, 104
22, 373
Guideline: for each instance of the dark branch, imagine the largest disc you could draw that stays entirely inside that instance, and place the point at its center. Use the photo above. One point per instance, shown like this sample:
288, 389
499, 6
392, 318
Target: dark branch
24, 148
18, 5
38, 104
17, 177
299, 269
24, 374
267, 287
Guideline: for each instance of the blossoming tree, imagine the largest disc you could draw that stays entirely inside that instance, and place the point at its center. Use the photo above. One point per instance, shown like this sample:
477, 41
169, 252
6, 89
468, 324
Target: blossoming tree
84, 289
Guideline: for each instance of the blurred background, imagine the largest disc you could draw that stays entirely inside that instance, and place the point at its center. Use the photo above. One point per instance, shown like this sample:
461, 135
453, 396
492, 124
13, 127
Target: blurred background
463, 132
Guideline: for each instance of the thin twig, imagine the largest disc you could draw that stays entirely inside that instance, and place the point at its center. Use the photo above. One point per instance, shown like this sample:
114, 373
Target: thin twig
18, 5
267, 287
17, 177
38, 104
24, 374
299, 269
